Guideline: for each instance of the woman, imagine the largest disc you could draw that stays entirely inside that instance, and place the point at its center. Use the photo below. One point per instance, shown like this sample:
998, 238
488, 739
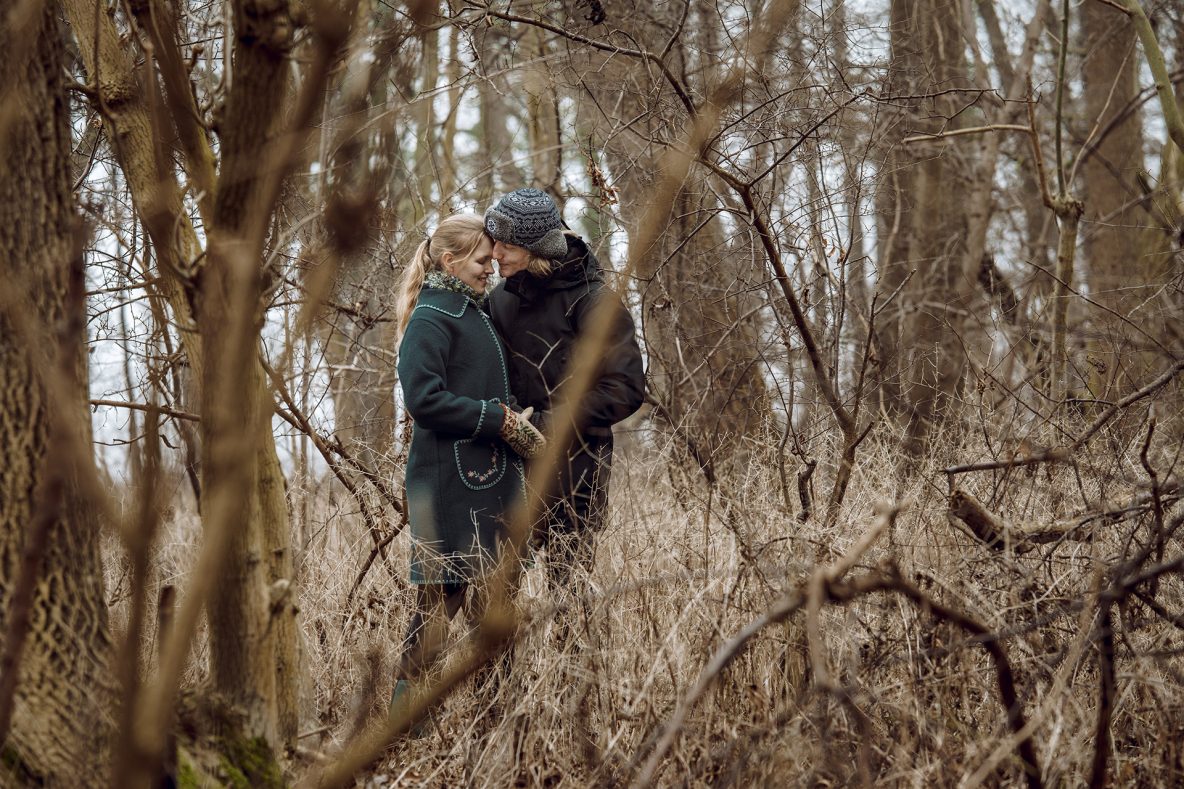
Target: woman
464, 470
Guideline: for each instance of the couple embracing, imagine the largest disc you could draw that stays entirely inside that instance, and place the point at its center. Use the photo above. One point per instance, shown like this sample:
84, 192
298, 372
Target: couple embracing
479, 368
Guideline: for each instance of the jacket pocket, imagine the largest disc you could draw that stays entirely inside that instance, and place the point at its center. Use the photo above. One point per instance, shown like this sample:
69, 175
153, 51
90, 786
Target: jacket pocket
480, 464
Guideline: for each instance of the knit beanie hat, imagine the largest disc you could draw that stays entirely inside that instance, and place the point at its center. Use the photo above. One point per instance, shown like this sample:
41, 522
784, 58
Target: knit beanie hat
528, 218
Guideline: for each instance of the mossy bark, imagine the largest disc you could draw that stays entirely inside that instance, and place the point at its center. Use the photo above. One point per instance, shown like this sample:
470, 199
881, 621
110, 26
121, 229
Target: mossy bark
228, 763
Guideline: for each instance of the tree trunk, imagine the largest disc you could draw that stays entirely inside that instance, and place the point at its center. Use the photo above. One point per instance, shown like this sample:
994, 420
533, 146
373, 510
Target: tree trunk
698, 319
1124, 266
359, 351
922, 219
854, 276
51, 577
424, 170
542, 106
449, 164
157, 196
497, 170
244, 485
700, 333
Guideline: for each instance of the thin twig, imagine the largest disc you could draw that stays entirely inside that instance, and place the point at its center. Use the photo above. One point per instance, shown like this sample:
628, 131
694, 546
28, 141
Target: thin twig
147, 408
1038, 153
967, 130
1059, 454
675, 83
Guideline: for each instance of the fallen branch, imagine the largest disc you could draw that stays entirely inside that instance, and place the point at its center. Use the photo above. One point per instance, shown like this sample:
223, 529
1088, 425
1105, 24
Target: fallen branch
998, 533
829, 588
983, 524
1051, 699
1004, 676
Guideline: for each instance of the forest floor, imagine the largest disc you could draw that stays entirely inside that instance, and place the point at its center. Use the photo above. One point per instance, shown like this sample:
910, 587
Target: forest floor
880, 688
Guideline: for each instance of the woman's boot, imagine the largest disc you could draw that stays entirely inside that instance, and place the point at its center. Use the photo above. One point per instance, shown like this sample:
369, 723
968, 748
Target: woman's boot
401, 696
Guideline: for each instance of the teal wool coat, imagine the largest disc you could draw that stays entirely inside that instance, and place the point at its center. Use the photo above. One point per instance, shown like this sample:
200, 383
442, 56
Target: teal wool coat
462, 479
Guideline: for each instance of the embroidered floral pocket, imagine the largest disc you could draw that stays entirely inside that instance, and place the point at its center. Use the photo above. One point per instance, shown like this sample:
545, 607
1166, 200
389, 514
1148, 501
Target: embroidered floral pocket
481, 464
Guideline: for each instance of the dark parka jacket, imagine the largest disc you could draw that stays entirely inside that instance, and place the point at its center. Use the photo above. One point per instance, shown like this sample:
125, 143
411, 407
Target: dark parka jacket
539, 319
461, 477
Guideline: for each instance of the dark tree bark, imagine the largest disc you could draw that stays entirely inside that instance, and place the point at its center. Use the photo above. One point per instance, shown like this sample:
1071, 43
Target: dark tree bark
1127, 258
922, 219
58, 697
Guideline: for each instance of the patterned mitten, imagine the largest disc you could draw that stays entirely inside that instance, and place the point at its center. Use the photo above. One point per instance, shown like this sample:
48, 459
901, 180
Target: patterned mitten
520, 434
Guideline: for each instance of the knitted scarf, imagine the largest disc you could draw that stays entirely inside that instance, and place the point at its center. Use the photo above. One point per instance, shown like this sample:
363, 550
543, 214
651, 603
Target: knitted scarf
442, 281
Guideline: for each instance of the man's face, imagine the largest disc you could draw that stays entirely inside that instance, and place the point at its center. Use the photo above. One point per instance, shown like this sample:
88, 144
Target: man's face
510, 258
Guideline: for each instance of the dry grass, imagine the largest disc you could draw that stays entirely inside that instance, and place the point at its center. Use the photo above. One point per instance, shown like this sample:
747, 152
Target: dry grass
912, 701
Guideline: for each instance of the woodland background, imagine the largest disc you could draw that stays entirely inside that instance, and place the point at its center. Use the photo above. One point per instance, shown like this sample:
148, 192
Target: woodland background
902, 506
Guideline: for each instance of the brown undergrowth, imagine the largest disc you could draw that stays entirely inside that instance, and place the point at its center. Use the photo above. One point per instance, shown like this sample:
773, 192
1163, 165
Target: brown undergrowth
896, 688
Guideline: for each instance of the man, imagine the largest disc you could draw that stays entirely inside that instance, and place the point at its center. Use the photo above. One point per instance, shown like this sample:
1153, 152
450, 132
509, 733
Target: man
553, 282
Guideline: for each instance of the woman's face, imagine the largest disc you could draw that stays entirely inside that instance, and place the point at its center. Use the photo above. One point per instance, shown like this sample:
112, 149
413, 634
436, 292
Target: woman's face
511, 258
475, 269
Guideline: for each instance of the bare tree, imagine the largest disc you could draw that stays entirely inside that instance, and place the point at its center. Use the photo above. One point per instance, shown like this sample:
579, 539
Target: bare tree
1124, 247
921, 214
215, 291
57, 691
699, 315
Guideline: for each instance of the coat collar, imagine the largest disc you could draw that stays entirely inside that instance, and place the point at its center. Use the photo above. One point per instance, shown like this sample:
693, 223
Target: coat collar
446, 301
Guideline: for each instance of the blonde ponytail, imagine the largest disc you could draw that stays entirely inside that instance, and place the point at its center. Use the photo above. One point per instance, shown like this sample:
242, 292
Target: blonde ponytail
409, 286
459, 234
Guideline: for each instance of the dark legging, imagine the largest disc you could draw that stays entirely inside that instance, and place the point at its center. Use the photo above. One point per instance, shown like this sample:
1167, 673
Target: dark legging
435, 606
575, 514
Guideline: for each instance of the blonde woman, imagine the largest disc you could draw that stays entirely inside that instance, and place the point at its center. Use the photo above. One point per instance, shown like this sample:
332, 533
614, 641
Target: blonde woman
464, 468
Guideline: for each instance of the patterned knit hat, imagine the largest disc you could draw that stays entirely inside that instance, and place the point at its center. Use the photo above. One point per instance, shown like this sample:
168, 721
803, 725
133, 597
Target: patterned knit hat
528, 218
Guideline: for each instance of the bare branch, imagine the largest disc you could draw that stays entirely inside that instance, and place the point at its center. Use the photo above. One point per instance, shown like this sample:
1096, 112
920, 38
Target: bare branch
1155, 61
964, 131
148, 408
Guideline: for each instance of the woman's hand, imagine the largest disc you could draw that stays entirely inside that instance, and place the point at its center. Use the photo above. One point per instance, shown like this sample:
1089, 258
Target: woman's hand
520, 434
